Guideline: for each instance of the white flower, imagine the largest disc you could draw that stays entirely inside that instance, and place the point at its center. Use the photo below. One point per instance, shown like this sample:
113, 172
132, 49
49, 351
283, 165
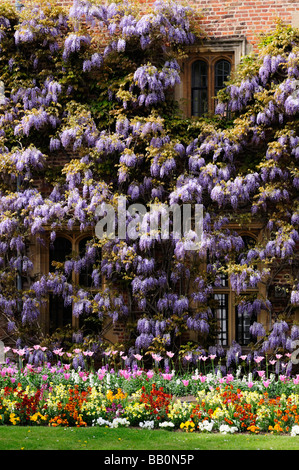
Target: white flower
166, 424
224, 429
119, 422
101, 422
295, 430
147, 424
206, 426
115, 423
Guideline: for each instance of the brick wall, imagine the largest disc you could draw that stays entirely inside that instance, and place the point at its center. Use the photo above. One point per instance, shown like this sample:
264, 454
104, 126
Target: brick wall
227, 18
237, 18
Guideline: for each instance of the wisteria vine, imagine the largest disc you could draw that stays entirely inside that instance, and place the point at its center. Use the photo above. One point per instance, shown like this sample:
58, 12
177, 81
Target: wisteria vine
87, 116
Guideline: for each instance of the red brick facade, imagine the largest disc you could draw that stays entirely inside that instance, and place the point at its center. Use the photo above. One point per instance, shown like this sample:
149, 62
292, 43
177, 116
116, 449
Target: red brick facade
239, 18
223, 20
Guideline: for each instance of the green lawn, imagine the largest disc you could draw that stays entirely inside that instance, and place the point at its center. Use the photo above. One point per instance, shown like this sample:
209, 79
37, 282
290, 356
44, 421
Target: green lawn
104, 439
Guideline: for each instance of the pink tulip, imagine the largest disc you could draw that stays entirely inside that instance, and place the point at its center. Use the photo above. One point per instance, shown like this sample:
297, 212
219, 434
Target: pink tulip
150, 374
258, 359
250, 384
20, 352
261, 373
167, 376
59, 352
202, 378
266, 383
125, 374
170, 354
66, 376
137, 356
156, 357
229, 378
185, 382
88, 353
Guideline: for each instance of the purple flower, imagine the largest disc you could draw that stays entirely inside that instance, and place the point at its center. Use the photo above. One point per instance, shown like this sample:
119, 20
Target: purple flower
257, 329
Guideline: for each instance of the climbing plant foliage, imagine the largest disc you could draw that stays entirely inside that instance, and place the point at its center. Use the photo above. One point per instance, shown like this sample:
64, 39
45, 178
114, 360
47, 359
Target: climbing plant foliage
88, 115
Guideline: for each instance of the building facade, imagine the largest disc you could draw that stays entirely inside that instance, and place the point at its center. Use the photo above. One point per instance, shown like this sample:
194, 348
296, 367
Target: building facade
232, 30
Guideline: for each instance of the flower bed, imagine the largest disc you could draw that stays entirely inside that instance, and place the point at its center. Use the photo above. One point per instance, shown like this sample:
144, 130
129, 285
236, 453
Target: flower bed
59, 395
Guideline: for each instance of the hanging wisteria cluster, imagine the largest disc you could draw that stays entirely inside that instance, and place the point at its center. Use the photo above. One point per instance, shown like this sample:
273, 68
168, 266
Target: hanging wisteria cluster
87, 117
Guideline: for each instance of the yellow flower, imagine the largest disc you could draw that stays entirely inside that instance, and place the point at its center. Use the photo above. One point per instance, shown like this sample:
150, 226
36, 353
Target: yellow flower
37, 416
120, 395
13, 418
188, 425
218, 413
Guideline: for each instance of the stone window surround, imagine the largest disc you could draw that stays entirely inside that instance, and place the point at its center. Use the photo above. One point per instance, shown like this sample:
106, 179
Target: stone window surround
231, 49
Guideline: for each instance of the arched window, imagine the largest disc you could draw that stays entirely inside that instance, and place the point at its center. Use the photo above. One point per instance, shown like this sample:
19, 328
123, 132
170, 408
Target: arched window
59, 251
199, 88
221, 74
60, 314
208, 75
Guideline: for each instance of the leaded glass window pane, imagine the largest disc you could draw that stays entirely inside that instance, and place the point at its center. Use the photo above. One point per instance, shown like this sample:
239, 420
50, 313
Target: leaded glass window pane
60, 314
221, 317
199, 79
222, 73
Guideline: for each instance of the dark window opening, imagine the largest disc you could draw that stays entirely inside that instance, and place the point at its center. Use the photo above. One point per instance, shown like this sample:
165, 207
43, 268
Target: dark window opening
222, 73
85, 279
221, 317
60, 314
59, 252
244, 321
199, 90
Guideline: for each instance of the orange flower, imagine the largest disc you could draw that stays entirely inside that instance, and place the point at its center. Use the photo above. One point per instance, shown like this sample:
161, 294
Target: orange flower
253, 428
